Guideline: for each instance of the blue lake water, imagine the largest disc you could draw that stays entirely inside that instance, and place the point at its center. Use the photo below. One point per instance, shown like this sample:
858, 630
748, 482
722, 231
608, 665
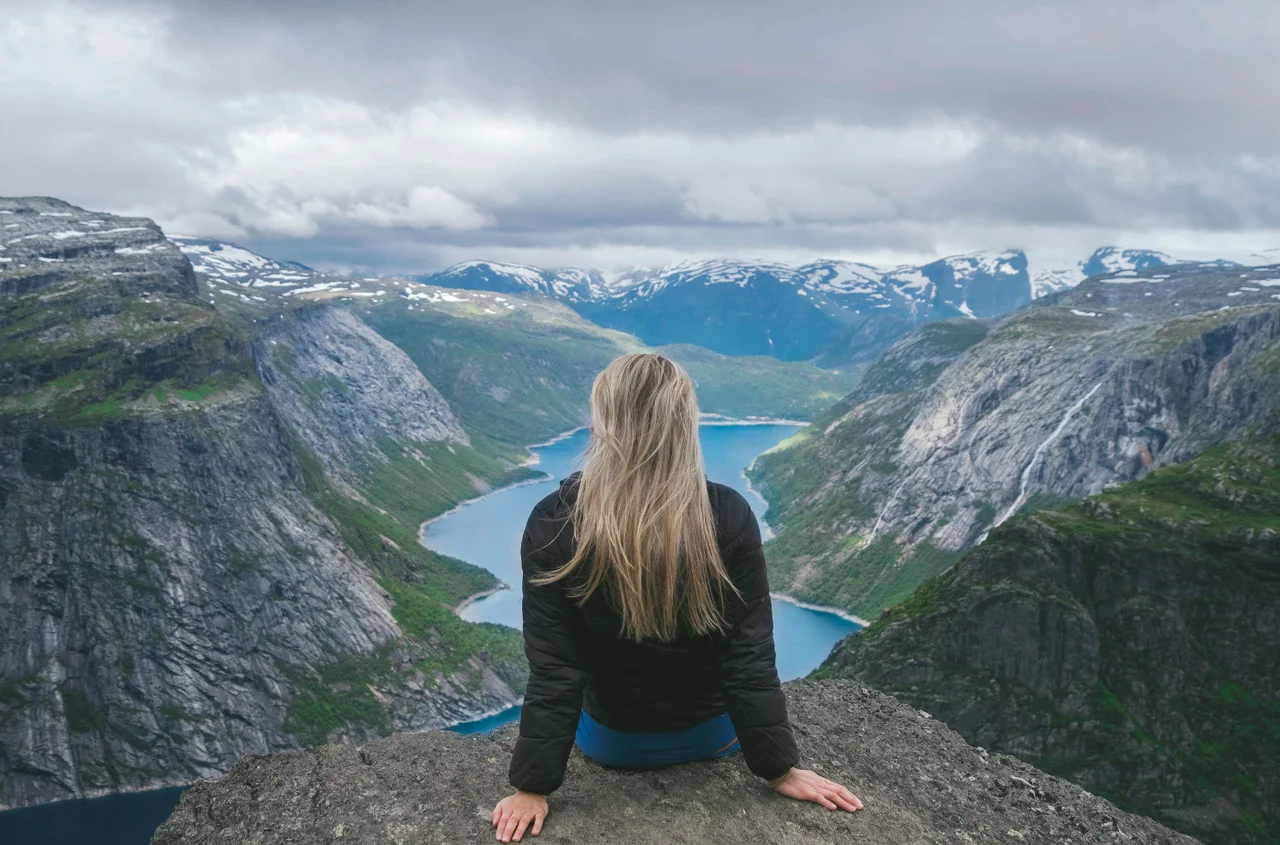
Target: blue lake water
126, 819
485, 532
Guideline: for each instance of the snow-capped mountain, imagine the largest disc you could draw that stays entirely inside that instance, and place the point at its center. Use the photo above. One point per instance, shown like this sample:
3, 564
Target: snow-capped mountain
1048, 277
835, 312
789, 311
568, 284
232, 263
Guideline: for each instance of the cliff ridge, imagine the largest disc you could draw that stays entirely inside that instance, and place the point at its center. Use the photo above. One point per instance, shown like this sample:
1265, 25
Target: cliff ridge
919, 781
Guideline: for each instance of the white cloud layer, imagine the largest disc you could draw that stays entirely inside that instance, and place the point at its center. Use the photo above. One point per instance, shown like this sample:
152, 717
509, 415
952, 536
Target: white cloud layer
403, 139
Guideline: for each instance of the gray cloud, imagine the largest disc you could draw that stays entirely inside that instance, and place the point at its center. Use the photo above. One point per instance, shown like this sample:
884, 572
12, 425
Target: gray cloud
406, 135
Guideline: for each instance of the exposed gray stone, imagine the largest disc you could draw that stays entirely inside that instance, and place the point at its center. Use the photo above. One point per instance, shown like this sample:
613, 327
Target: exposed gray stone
919, 781
343, 389
1081, 390
166, 584
45, 241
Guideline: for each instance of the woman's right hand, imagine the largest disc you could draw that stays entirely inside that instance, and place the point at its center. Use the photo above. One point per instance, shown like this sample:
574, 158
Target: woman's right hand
804, 785
517, 812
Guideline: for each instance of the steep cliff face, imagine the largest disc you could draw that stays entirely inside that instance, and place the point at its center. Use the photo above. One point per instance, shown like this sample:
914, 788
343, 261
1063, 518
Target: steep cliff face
919, 782
366, 388
178, 585
347, 392
1088, 388
1128, 643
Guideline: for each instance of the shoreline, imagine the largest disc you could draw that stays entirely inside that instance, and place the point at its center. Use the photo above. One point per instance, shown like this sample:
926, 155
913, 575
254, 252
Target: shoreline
834, 611
483, 594
535, 459
564, 435
720, 419
98, 794
481, 717
422, 527
766, 531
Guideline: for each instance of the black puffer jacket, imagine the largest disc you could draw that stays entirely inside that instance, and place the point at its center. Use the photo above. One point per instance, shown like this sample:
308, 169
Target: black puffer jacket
579, 660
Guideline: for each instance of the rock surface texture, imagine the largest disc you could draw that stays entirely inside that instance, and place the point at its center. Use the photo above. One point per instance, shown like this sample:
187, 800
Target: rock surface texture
919, 781
1081, 390
345, 389
172, 594
1128, 643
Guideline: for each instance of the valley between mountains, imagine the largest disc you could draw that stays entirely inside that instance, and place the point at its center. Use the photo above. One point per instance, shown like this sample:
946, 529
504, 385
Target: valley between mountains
211, 500
1054, 488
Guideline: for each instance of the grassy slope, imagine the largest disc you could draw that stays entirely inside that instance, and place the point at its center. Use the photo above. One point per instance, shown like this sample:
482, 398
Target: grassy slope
523, 375
760, 386
76, 365
1211, 518
436, 643
512, 378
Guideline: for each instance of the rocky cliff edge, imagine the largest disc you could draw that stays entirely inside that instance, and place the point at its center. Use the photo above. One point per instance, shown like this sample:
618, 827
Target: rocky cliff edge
919, 781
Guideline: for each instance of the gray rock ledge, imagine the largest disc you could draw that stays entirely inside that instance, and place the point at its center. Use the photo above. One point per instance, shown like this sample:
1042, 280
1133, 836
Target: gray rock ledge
919, 780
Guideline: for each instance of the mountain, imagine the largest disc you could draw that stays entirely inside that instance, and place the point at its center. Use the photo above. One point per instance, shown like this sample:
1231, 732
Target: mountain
194, 565
836, 313
919, 781
234, 263
212, 489
962, 425
1127, 643
833, 313
517, 368
790, 312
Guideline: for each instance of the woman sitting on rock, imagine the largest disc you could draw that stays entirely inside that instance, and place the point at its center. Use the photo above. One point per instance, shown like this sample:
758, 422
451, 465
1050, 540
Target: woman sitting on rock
647, 617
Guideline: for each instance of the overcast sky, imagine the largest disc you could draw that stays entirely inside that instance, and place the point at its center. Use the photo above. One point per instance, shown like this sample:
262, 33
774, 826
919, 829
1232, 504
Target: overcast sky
408, 136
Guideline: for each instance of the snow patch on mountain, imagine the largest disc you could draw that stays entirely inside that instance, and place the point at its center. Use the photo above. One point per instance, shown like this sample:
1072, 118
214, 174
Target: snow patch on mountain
231, 263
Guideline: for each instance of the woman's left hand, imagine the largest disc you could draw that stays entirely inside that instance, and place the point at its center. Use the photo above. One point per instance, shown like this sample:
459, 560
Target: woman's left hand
516, 812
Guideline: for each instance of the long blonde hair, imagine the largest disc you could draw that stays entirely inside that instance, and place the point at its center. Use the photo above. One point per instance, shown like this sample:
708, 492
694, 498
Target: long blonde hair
642, 519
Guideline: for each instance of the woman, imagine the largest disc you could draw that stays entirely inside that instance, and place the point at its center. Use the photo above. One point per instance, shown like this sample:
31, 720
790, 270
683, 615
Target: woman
647, 618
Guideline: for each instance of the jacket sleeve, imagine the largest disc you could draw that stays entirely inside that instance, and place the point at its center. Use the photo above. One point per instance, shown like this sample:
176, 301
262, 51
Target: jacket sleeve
553, 641
747, 664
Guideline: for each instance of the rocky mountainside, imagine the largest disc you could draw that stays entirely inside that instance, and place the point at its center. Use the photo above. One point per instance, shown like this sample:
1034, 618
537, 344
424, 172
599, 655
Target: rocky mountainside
1128, 643
958, 429
180, 584
833, 310
342, 387
234, 263
517, 369
837, 313
919, 781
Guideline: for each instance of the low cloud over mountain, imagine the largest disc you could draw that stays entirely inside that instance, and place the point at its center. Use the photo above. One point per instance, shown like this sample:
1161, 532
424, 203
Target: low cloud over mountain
400, 137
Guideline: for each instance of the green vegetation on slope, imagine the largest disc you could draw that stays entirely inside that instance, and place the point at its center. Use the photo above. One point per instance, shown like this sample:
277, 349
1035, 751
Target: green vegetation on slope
1173, 577
425, 587
436, 644
759, 385
524, 375
388, 538
814, 556
81, 362
511, 380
